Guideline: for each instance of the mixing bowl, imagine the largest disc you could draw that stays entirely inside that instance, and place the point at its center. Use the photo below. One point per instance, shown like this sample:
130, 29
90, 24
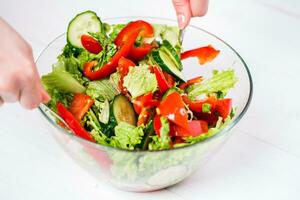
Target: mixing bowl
143, 171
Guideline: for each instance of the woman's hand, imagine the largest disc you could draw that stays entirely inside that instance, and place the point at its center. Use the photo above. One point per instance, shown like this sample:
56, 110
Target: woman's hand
19, 79
185, 9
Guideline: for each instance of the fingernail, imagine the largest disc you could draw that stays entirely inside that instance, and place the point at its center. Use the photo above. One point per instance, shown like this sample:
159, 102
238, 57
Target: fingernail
181, 20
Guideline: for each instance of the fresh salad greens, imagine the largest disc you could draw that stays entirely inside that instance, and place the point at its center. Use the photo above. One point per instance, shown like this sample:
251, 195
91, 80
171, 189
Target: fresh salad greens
121, 85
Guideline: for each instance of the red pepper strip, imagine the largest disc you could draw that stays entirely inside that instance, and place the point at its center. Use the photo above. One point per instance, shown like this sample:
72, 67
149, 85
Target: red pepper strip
163, 85
138, 53
72, 122
173, 108
204, 54
80, 104
145, 30
191, 82
145, 101
170, 79
91, 44
194, 128
157, 125
197, 105
111, 66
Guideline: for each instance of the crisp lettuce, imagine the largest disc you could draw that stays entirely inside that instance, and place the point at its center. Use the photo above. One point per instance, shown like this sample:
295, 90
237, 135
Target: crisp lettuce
116, 28
140, 81
102, 89
220, 82
162, 142
104, 113
127, 136
63, 81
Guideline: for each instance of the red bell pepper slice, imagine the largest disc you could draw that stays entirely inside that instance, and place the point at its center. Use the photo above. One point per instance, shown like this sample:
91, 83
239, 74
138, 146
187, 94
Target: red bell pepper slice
204, 54
191, 82
90, 44
170, 79
223, 107
80, 104
194, 128
196, 106
173, 108
157, 124
73, 123
146, 30
111, 66
138, 53
145, 101
163, 84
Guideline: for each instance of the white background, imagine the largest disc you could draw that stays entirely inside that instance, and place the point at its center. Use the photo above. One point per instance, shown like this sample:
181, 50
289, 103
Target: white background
260, 161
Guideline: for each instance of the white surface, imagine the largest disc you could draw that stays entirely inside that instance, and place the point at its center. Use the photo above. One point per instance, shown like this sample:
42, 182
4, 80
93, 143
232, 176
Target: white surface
260, 161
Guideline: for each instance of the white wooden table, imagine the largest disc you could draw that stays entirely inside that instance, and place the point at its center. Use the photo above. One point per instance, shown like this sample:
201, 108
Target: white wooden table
261, 160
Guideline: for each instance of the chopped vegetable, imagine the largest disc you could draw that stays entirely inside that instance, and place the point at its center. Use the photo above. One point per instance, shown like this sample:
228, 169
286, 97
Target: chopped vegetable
204, 54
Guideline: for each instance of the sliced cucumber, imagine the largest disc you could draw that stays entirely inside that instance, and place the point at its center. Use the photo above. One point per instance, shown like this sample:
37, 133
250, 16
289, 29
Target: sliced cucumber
168, 48
166, 63
83, 23
123, 110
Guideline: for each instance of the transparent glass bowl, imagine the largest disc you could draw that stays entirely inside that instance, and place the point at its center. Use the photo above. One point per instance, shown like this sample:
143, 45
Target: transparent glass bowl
143, 171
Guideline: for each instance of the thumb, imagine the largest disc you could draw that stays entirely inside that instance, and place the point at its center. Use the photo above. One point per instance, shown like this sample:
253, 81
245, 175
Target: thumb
183, 12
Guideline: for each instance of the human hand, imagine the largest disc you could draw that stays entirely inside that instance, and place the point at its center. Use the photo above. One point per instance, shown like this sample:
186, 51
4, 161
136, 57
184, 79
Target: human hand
19, 79
185, 9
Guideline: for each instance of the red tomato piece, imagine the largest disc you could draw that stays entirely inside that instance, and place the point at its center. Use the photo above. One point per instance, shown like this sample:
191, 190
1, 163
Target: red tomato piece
91, 44
223, 107
194, 128
173, 108
80, 104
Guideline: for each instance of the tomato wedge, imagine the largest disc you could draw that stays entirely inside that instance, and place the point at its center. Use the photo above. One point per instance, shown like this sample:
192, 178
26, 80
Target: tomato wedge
223, 107
111, 66
163, 84
91, 44
194, 128
73, 123
123, 66
173, 108
80, 104
143, 117
204, 54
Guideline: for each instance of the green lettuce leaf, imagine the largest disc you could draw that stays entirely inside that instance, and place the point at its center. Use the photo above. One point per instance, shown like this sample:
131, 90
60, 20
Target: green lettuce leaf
127, 136
102, 89
63, 81
220, 82
104, 113
116, 28
140, 81
162, 142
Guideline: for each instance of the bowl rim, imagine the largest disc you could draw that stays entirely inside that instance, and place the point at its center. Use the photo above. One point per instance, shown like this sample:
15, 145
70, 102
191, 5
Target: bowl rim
219, 134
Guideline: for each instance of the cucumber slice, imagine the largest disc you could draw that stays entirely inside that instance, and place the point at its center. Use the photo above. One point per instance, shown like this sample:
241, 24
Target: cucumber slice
123, 110
168, 48
83, 23
166, 63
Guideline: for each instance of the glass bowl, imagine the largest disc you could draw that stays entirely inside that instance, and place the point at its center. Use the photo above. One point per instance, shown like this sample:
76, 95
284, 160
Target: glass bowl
143, 171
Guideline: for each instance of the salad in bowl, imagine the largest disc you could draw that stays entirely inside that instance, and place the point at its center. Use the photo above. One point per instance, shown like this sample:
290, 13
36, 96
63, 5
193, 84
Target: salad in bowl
123, 99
